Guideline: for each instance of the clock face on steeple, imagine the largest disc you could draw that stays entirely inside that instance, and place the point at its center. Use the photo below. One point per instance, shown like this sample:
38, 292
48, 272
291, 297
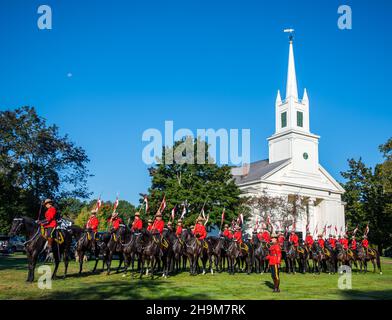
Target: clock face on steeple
306, 156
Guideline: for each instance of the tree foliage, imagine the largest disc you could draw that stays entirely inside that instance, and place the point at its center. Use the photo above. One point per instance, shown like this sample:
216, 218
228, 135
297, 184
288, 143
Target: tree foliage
199, 185
36, 162
369, 197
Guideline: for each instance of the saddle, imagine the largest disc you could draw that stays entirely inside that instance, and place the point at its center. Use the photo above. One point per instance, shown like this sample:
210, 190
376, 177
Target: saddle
57, 235
244, 246
164, 243
89, 237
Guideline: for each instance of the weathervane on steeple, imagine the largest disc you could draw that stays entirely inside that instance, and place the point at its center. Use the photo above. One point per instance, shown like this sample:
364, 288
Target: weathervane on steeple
291, 32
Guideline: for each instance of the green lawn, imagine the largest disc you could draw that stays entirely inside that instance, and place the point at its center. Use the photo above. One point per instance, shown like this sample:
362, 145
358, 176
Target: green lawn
13, 272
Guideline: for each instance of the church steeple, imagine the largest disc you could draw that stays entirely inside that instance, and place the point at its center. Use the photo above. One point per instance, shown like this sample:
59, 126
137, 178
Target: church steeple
291, 88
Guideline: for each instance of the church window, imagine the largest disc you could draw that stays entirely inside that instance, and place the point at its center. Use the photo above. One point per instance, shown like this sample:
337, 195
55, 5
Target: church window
284, 119
300, 119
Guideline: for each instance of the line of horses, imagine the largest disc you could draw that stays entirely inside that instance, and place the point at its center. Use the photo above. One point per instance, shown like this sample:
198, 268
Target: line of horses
168, 254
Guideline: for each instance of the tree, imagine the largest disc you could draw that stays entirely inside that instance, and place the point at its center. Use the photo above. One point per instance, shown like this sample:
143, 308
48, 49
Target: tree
36, 162
199, 185
369, 199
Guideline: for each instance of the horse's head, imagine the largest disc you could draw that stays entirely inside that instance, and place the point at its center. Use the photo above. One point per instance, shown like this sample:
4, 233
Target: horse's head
17, 226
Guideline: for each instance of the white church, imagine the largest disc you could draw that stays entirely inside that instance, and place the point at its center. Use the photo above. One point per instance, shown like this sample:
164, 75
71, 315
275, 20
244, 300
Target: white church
293, 166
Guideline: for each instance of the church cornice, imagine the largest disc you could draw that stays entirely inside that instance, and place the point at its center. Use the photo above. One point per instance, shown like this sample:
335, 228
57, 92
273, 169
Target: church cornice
295, 132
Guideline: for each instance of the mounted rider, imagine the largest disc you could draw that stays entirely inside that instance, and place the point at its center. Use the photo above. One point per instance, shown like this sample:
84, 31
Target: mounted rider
264, 236
344, 242
309, 241
200, 230
238, 235
179, 228
281, 239
353, 244
274, 257
170, 226
158, 224
332, 242
137, 224
321, 241
227, 233
365, 244
92, 225
49, 224
149, 225
114, 222
294, 239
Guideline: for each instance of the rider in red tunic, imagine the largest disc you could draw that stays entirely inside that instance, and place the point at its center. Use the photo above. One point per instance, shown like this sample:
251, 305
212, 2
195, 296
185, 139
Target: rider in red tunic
344, 243
137, 224
332, 241
158, 224
274, 257
321, 241
365, 242
353, 244
200, 230
149, 226
281, 239
114, 222
179, 228
309, 240
294, 239
238, 235
49, 223
227, 233
93, 222
265, 236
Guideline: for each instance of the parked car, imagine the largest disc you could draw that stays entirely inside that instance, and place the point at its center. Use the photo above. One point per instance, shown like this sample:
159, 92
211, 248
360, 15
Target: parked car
17, 244
5, 246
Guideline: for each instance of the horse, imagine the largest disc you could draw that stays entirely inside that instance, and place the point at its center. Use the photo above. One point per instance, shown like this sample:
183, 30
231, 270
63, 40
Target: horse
215, 246
329, 259
151, 253
167, 254
233, 252
206, 254
302, 258
370, 254
291, 256
340, 256
36, 244
316, 254
260, 254
115, 246
178, 247
87, 243
193, 248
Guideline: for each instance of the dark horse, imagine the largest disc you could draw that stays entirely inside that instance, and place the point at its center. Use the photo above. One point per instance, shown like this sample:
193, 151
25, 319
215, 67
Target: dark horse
369, 254
260, 254
36, 243
291, 256
233, 252
115, 246
193, 248
87, 243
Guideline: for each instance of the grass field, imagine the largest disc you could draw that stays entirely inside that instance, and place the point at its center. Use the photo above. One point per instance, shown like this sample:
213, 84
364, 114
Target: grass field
13, 273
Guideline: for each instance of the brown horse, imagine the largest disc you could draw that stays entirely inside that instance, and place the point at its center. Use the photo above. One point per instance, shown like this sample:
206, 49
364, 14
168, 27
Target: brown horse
369, 254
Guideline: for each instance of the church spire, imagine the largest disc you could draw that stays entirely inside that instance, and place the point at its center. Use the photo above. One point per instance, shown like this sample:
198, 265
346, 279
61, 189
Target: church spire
291, 89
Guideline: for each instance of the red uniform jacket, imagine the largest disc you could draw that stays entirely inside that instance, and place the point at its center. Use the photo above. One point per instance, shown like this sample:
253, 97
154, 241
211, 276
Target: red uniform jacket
275, 255
281, 240
149, 228
332, 242
294, 239
201, 231
309, 241
265, 236
137, 225
93, 223
50, 216
321, 243
354, 244
228, 234
178, 231
345, 243
115, 223
158, 226
238, 236
365, 243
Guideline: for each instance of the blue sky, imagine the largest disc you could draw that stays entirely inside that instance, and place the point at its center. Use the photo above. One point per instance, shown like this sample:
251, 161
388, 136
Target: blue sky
202, 64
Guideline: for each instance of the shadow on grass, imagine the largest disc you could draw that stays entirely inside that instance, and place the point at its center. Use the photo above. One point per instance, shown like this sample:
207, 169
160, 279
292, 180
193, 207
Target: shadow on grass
139, 290
13, 262
367, 295
269, 284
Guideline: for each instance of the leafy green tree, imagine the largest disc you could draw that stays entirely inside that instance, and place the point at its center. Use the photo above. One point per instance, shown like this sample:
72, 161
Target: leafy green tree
369, 200
36, 162
198, 185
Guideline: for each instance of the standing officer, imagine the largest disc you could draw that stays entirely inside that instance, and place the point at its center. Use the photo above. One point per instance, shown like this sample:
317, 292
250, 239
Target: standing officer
274, 257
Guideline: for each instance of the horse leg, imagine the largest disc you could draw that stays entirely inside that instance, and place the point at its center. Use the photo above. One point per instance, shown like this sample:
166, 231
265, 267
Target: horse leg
66, 262
109, 262
80, 257
121, 259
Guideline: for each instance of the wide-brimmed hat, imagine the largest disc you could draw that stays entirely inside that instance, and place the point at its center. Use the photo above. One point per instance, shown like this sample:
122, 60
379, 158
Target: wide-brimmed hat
48, 201
149, 221
274, 236
137, 214
226, 225
158, 214
320, 236
115, 214
200, 219
365, 237
169, 223
179, 222
238, 228
93, 211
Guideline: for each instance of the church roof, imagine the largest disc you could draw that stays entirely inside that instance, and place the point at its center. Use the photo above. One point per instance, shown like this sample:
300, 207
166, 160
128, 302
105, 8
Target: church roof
257, 170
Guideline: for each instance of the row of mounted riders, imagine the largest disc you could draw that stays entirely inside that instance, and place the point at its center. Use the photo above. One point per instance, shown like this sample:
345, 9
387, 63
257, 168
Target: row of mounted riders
163, 249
